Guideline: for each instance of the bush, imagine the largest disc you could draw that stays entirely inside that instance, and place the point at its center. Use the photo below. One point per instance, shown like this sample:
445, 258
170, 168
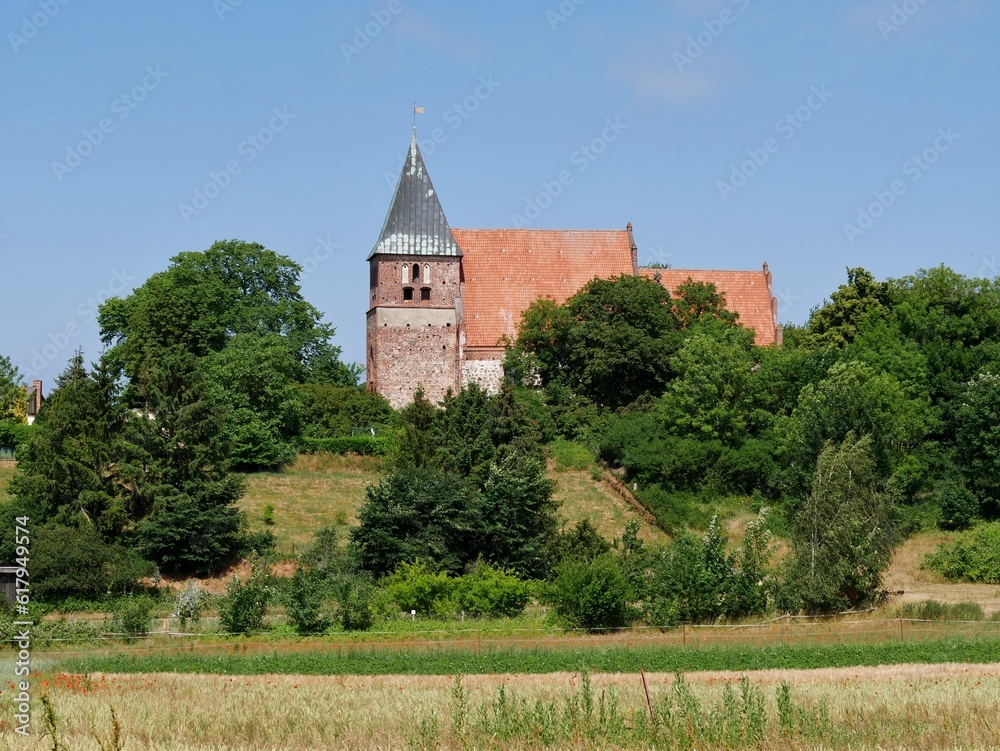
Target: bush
570, 455
591, 594
13, 434
189, 603
75, 562
973, 556
365, 445
356, 609
959, 506
305, 603
259, 544
243, 607
491, 592
413, 586
132, 616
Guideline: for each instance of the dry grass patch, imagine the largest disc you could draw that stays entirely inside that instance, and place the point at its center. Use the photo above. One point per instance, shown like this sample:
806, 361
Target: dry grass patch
6, 472
317, 490
917, 584
582, 497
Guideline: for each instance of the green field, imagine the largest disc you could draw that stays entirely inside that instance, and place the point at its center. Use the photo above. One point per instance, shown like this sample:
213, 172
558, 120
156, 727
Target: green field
447, 660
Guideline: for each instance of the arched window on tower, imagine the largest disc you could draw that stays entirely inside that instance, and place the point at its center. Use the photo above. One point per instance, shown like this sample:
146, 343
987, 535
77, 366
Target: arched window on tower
427, 273
416, 272
406, 273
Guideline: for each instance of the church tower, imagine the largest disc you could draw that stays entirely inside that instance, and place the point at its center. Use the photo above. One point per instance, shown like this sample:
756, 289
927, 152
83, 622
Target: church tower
415, 305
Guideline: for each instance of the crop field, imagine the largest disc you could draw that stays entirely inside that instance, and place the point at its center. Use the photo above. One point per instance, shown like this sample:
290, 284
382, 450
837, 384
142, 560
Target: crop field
913, 706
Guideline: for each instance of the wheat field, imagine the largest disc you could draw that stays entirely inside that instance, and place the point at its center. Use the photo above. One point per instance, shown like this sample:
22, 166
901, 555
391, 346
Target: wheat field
908, 706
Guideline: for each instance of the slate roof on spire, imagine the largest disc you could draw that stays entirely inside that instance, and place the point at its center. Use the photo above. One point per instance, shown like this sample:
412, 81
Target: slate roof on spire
415, 224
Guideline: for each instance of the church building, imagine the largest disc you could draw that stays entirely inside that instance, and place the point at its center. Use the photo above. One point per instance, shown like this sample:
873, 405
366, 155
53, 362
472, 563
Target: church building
443, 300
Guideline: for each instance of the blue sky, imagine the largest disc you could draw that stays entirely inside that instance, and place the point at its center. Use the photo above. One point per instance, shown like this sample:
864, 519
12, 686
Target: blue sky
729, 132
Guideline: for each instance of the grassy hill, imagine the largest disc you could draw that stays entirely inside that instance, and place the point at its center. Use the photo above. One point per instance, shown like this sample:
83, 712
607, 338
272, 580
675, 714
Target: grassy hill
320, 490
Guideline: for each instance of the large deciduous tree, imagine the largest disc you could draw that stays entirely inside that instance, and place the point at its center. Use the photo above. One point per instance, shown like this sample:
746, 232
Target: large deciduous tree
238, 310
843, 535
612, 341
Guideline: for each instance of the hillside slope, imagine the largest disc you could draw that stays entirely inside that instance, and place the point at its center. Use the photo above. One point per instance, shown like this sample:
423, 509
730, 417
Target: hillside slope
324, 490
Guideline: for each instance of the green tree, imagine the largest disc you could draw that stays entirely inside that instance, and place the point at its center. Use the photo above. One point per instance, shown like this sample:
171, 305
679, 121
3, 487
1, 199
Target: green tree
707, 399
519, 516
419, 515
978, 433
843, 535
13, 395
328, 411
591, 594
836, 323
237, 309
855, 398
66, 472
176, 470
253, 378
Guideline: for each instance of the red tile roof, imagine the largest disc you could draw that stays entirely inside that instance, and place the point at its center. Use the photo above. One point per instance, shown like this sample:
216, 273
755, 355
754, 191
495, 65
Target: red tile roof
747, 293
505, 270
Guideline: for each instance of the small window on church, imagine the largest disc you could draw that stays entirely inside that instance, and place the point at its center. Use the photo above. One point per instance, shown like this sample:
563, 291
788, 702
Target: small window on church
425, 294
416, 272
408, 293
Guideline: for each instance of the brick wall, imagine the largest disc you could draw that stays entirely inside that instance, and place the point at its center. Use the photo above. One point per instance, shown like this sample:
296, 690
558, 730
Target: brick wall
412, 347
387, 281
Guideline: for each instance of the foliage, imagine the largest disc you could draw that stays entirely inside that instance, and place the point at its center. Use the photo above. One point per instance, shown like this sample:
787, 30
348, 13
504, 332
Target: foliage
973, 556
491, 592
843, 534
959, 505
419, 515
836, 323
132, 615
75, 562
190, 601
330, 411
518, 515
156, 480
854, 398
305, 602
471, 431
582, 542
356, 606
978, 436
590, 594
363, 445
237, 311
13, 394
66, 473
14, 434
413, 586
612, 340
243, 607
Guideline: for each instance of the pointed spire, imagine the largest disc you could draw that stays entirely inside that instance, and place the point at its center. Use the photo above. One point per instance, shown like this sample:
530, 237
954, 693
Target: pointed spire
415, 224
